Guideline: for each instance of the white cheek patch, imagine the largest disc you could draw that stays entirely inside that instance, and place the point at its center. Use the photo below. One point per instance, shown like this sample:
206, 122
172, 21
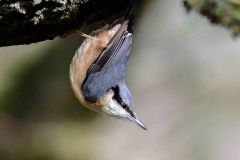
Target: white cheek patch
115, 110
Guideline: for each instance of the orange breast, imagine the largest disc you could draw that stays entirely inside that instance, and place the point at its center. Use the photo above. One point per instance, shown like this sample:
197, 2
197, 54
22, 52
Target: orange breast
86, 54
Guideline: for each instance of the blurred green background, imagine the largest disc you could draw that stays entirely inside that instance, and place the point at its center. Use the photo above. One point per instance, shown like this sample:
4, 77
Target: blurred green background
184, 75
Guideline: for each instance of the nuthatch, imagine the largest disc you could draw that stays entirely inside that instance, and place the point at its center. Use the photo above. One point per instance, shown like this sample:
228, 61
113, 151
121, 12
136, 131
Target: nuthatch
99, 66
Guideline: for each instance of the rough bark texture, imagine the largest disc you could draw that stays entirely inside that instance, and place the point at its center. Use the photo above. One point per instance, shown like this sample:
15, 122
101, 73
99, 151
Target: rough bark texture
224, 12
28, 21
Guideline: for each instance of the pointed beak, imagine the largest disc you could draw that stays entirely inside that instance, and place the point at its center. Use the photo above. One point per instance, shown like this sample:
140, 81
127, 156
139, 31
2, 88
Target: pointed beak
137, 121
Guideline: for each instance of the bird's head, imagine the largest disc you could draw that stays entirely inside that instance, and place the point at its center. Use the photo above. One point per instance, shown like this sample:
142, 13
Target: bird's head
118, 103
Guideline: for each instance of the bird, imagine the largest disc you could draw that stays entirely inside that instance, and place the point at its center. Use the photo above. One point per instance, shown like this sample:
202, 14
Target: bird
98, 68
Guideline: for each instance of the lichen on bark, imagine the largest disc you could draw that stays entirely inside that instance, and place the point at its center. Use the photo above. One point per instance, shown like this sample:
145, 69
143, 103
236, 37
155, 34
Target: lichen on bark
28, 21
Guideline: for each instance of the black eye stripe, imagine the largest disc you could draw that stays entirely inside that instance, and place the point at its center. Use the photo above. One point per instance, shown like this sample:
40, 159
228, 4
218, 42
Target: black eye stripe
116, 95
120, 101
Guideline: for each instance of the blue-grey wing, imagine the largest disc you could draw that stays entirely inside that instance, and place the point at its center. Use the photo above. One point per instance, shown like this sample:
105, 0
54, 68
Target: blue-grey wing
110, 70
108, 54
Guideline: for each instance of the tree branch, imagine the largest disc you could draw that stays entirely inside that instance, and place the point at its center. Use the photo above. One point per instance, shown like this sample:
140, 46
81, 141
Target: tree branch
28, 21
224, 12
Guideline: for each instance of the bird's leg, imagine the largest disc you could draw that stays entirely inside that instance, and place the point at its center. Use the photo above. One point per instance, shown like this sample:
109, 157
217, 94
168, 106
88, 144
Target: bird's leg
98, 39
84, 35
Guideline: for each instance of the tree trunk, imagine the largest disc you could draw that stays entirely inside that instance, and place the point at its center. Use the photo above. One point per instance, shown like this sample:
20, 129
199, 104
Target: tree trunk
28, 21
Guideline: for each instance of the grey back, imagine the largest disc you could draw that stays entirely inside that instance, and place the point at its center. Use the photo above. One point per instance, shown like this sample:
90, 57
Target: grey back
97, 84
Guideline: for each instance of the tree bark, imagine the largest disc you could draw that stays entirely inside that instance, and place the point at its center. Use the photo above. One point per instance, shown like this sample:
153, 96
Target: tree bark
223, 12
28, 21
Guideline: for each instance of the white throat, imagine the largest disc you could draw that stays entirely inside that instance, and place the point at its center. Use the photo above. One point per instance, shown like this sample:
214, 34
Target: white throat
115, 109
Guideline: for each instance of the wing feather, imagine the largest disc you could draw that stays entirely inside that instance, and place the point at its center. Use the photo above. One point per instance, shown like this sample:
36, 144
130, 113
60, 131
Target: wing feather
111, 73
107, 56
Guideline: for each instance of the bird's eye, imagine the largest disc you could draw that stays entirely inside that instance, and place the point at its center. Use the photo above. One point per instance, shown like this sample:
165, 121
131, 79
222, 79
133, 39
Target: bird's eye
123, 105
